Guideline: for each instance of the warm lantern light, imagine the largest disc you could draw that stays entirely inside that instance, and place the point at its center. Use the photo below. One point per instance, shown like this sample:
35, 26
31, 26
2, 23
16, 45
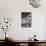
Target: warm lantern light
7, 35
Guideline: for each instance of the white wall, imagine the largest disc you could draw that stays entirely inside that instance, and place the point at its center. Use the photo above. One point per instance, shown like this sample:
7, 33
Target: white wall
13, 8
45, 28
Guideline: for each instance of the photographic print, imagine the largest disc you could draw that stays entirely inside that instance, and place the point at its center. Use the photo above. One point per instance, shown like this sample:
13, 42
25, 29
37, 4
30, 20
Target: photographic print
26, 19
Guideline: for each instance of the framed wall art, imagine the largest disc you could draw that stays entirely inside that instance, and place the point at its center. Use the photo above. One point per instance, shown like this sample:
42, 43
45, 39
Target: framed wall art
26, 19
